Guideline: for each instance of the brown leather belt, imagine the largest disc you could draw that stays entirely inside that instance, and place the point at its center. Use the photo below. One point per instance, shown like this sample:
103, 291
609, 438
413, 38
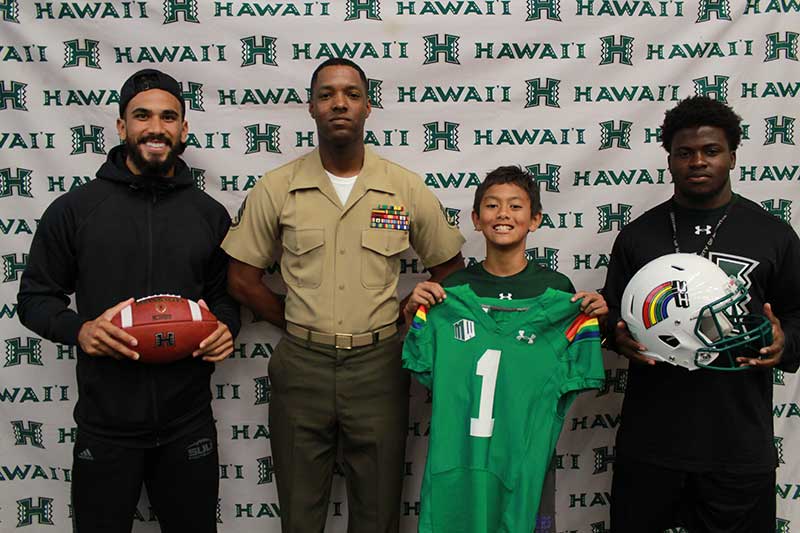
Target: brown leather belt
342, 341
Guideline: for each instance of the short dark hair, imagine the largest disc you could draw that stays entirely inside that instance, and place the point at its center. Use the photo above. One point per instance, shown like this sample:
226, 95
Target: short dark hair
338, 61
697, 111
514, 175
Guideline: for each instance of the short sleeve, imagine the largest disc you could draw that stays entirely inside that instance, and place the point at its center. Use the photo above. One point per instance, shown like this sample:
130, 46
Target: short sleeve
253, 237
419, 348
584, 354
434, 239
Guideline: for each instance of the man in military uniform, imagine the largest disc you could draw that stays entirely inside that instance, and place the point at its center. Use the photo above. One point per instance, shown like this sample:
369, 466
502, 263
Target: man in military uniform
342, 216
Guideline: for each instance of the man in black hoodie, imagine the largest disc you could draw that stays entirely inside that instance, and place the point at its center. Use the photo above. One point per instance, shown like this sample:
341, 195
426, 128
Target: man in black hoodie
141, 228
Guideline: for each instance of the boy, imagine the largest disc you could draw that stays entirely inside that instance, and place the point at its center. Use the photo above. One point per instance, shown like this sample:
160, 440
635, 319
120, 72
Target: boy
493, 465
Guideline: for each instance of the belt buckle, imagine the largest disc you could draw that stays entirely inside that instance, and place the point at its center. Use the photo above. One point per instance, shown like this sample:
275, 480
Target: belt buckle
346, 342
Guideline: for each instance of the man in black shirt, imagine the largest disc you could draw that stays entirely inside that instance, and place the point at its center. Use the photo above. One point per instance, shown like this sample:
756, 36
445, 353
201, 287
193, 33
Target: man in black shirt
696, 448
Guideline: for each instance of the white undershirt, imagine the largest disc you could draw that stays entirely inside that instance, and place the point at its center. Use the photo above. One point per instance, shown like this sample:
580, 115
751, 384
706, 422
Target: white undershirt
343, 186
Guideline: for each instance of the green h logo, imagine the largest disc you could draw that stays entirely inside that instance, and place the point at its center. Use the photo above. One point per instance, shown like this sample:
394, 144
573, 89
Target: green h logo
548, 259
452, 215
550, 176
783, 210
31, 436
782, 526
265, 50
199, 177
615, 381
21, 182
74, 53
785, 130
15, 351
599, 527
607, 216
779, 448
12, 268
265, 470
536, 92
81, 139
374, 93
722, 8
551, 7
15, 94
193, 95
434, 136
610, 49
255, 138
717, 90
603, 458
263, 387
775, 46
448, 48
43, 511
621, 136
354, 9
173, 7
9, 9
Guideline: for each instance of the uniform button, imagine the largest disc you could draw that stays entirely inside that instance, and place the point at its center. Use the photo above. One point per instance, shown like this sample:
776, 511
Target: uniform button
341, 322
341, 287
341, 252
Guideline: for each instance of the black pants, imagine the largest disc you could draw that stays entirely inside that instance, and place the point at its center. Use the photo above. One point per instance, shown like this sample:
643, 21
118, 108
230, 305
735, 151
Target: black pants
649, 499
182, 481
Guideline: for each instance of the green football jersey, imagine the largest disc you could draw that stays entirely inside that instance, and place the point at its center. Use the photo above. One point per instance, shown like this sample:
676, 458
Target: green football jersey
503, 375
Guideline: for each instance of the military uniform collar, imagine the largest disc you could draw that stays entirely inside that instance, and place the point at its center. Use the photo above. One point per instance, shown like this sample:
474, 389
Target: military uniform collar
311, 174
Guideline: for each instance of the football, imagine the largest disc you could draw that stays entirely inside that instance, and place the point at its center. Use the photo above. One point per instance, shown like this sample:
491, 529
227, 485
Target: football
167, 327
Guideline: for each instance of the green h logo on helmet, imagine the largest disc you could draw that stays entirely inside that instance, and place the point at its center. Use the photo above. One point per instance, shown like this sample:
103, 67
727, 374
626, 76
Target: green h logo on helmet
9, 9
717, 90
74, 53
607, 217
775, 46
31, 436
15, 95
536, 92
255, 137
21, 182
187, 7
448, 48
550, 176
722, 9
783, 210
784, 130
265, 50
354, 9
547, 259
434, 136
81, 139
610, 135
611, 49
42, 511
15, 351
552, 8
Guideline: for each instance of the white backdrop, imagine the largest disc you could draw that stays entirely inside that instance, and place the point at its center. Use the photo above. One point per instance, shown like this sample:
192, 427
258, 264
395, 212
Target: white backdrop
575, 90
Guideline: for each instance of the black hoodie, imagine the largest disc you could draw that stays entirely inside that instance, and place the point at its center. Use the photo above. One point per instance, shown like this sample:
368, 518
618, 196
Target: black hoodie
123, 236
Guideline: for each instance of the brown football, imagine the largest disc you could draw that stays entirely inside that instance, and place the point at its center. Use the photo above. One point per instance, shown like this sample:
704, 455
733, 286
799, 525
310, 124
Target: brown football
167, 327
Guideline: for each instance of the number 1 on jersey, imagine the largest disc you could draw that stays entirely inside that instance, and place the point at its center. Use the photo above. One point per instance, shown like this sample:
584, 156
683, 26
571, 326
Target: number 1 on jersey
487, 367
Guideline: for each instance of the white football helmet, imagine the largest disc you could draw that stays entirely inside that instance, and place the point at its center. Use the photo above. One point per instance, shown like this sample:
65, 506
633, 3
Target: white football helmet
685, 310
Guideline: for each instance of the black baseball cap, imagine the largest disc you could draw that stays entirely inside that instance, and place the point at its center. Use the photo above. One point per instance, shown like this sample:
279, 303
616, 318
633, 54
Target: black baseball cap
147, 79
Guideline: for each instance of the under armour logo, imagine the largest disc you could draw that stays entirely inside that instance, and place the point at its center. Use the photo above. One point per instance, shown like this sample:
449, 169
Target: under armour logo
505, 296
522, 337
702, 229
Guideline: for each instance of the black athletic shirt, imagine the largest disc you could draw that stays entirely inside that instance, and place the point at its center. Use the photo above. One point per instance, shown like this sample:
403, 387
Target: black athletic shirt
706, 420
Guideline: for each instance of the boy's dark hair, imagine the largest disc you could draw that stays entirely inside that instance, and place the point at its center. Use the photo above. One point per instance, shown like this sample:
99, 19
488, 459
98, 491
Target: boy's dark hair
339, 61
698, 111
514, 175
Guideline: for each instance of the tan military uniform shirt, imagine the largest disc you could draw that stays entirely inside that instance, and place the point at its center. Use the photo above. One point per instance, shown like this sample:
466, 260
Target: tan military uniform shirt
341, 263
